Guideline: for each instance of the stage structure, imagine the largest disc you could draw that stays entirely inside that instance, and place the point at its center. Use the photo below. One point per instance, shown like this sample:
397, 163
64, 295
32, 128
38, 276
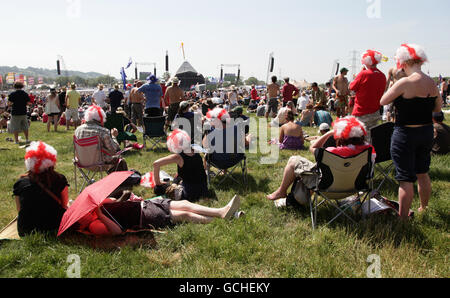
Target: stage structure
230, 65
189, 77
143, 75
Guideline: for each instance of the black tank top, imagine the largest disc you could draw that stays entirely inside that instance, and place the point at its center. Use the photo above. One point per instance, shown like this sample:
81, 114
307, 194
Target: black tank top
415, 111
192, 171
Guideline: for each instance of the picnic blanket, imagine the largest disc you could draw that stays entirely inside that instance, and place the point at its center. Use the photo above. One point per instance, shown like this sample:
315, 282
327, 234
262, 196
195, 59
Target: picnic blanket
10, 231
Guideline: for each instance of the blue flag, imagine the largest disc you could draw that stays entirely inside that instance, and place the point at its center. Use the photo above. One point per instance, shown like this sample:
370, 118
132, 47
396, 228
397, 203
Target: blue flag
129, 63
124, 78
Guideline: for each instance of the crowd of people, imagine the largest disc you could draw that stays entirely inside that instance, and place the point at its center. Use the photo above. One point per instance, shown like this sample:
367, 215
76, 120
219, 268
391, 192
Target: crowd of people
407, 96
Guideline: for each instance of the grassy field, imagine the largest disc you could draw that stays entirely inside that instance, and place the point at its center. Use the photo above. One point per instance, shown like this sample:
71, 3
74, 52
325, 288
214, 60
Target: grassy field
266, 243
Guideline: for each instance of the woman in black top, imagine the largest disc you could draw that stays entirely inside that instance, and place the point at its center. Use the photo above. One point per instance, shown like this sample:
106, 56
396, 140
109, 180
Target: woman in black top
415, 97
42, 194
190, 167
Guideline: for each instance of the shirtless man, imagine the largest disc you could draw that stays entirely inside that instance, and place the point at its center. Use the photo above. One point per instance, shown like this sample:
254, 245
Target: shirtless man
394, 75
175, 96
273, 91
340, 85
136, 100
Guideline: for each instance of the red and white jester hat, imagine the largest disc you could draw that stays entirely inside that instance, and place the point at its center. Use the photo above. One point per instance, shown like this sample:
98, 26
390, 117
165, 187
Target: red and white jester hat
410, 52
40, 157
371, 58
218, 116
218, 113
96, 113
348, 127
178, 141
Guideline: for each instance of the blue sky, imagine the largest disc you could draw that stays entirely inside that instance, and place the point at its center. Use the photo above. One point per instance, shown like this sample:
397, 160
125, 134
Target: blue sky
306, 36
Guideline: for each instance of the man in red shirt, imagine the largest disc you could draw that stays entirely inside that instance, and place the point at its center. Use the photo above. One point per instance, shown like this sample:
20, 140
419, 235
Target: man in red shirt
369, 87
32, 98
288, 92
254, 93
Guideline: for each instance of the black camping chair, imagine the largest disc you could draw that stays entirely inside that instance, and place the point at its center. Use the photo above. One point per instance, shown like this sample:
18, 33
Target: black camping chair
227, 163
381, 141
154, 131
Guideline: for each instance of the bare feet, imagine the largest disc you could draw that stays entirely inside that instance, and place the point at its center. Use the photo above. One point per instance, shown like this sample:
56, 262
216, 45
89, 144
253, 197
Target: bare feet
277, 195
421, 209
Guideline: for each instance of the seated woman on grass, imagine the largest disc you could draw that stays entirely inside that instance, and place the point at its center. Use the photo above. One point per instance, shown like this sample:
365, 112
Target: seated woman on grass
190, 169
42, 194
307, 117
349, 134
115, 218
291, 134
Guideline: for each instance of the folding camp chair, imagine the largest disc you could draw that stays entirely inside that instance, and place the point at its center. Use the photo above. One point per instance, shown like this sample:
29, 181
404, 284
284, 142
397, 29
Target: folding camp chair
154, 131
88, 160
117, 121
381, 141
339, 178
225, 173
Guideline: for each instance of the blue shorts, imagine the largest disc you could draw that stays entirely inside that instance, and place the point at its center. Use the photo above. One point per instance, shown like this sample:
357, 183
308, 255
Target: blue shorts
411, 152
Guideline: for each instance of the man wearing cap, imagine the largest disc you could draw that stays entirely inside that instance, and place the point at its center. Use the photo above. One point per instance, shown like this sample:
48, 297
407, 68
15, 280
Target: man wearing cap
175, 96
340, 85
153, 95
115, 98
369, 86
73, 101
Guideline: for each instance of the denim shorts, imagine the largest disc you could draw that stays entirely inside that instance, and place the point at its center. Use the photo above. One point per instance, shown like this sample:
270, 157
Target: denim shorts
411, 152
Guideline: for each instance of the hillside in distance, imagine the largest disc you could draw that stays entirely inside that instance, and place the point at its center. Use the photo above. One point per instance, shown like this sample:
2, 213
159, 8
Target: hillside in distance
47, 73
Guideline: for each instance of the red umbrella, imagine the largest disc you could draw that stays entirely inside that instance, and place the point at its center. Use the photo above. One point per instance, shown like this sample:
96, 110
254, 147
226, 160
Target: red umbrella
91, 198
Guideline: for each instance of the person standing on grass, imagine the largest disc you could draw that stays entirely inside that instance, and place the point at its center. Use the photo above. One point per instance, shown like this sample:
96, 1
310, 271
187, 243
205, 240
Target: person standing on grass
273, 91
340, 85
99, 97
19, 100
369, 87
175, 96
444, 89
62, 101
52, 109
153, 96
137, 100
3, 103
288, 92
115, 99
73, 100
415, 97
